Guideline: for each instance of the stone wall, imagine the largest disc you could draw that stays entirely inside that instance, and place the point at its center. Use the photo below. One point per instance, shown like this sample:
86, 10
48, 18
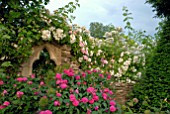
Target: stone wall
122, 90
60, 54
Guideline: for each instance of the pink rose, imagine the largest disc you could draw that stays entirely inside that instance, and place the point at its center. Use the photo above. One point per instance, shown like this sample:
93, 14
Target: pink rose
91, 101
42, 83
111, 92
104, 95
77, 77
94, 70
65, 81
85, 57
84, 83
20, 79
101, 75
58, 82
32, 76
75, 103
96, 98
96, 108
83, 74
89, 72
69, 72
58, 94
46, 112
88, 111
58, 76
84, 100
72, 97
78, 83
19, 94
1, 82
56, 103
4, 92
90, 90
112, 109
63, 86
81, 44
2, 107
24, 79
6, 103
108, 77
112, 103
106, 90
29, 82
77, 91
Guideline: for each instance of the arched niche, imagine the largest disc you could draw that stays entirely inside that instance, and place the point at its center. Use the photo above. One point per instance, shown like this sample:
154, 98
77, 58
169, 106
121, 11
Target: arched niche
53, 50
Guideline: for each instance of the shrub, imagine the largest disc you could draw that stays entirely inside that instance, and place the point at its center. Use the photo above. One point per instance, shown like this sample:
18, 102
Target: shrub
67, 92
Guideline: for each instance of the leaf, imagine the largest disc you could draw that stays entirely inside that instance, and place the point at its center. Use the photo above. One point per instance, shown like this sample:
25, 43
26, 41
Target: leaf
6, 64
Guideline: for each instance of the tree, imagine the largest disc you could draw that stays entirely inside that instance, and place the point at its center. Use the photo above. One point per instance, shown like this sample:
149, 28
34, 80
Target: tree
98, 29
154, 88
162, 7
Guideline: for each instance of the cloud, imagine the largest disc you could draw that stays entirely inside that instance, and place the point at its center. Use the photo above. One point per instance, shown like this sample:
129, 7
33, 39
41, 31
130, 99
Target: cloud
110, 11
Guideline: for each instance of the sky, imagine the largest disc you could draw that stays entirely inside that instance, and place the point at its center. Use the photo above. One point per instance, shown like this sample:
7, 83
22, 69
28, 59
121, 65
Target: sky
110, 12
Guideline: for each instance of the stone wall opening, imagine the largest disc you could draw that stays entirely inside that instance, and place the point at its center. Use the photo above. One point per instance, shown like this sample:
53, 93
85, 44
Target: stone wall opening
43, 64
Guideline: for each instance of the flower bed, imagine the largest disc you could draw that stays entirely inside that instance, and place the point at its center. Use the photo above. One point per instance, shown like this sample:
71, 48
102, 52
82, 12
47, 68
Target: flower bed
67, 92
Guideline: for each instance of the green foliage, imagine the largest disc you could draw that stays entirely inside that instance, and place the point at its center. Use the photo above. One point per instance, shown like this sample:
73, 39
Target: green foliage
162, 7
98, 30
154, 94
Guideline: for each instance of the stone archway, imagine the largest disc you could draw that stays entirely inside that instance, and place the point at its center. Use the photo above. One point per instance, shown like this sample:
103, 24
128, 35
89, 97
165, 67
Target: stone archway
54, 52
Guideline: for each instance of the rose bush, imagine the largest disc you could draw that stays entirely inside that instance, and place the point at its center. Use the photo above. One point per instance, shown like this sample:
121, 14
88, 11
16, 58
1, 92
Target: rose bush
67, 92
